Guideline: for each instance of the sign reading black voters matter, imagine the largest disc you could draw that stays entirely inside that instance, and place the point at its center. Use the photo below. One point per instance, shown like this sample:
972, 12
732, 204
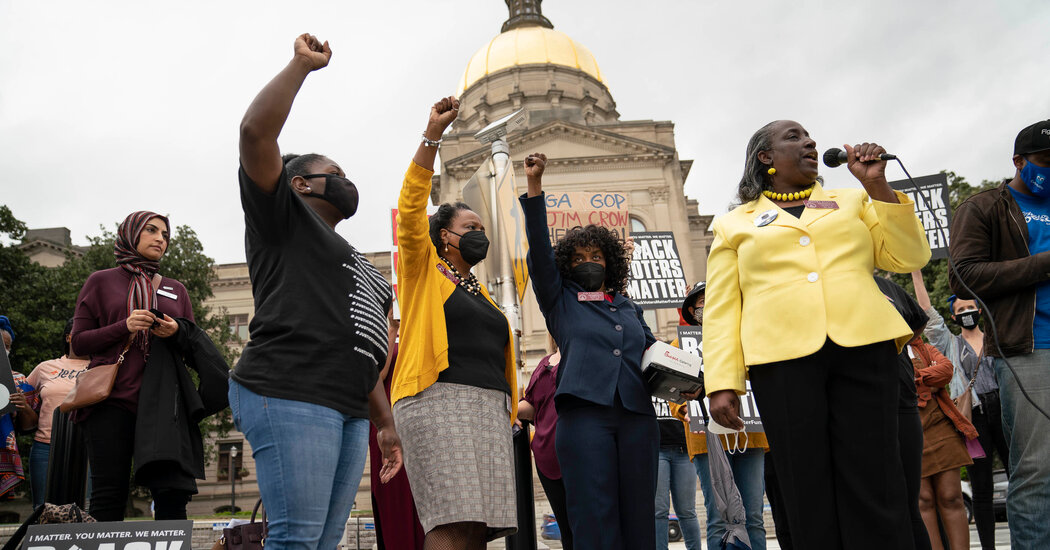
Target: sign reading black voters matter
111, 535
932, 207
657, 278
691, 339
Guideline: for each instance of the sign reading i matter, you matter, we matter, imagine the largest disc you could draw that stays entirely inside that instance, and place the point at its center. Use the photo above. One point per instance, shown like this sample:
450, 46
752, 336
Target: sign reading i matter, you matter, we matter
111, 535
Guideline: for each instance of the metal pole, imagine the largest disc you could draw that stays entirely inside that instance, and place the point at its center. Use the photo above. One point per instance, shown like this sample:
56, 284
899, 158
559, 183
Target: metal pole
233, 481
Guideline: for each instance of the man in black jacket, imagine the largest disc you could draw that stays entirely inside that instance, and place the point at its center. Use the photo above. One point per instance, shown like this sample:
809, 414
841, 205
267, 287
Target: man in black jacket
1001, 246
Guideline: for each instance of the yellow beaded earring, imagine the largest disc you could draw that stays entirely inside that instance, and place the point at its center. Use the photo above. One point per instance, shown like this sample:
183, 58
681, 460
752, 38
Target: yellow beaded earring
771, 171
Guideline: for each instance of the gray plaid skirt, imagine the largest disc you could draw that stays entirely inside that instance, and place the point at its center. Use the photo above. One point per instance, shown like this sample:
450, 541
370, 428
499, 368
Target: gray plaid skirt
458, 456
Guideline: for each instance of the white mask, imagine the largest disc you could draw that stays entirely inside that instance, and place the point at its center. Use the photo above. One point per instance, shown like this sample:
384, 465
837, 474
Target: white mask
716, 428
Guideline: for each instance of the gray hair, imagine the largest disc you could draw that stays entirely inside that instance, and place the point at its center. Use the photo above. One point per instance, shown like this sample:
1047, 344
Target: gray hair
755, 178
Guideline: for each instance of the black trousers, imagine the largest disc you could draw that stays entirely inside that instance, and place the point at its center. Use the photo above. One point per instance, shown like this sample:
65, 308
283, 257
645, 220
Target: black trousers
987, 418
909, 427
776, 504
608, 461
110, 434
555, 491
831, 420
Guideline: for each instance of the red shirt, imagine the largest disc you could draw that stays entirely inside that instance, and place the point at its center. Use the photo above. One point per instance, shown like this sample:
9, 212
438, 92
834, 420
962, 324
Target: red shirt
100, 330
540, 394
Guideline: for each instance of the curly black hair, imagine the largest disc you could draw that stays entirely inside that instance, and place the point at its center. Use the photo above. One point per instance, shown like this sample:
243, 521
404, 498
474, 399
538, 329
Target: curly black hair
443, 218
617, 267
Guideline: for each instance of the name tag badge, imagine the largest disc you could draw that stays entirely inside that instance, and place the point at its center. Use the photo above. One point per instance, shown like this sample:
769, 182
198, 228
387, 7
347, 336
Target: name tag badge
590, 296
445, 271
168, 287
167, 294
829, 205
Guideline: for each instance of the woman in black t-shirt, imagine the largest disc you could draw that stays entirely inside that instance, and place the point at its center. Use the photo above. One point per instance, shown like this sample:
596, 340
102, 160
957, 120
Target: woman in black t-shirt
308, 380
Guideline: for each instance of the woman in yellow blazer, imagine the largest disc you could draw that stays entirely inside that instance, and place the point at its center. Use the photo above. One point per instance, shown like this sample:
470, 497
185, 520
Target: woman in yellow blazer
791, 302
454, 390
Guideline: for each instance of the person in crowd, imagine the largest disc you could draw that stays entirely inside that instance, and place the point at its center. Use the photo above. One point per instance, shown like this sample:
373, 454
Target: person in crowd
607, 435
309, 375
747, 463
675, 479
943, 448
116, 315
792, 303
24, 418
455, 388
53, 380
1001, 247
966, 353
394, 509
537, 406
909, 424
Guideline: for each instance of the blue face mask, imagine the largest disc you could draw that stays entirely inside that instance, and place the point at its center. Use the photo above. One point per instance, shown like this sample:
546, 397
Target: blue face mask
1037, 178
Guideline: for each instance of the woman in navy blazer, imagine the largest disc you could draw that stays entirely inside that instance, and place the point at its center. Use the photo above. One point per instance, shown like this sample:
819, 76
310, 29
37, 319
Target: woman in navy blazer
607, 437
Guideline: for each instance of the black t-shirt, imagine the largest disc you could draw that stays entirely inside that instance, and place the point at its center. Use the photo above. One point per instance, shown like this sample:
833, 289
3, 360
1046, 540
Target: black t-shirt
916, 319
477, 337
672, 431
795, 210
319, 333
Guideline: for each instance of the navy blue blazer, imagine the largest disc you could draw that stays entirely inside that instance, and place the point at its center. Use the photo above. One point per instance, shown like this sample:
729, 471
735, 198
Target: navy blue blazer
601, 342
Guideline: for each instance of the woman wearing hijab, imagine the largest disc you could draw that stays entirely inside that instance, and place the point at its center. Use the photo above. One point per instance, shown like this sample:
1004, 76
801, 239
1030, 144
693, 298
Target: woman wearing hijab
455, 390
307, 382
115, 315
791, 303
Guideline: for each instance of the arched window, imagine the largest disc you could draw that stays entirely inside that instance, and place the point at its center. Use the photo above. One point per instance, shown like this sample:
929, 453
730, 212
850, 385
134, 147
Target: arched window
637, 225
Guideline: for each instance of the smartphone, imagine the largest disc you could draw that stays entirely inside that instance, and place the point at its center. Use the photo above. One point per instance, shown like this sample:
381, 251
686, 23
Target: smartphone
158, 315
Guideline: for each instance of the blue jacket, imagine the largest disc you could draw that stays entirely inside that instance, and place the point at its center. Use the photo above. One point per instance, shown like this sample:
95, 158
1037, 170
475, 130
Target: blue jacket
601, 342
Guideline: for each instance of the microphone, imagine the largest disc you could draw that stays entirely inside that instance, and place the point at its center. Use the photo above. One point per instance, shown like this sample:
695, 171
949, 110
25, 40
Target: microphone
836, 157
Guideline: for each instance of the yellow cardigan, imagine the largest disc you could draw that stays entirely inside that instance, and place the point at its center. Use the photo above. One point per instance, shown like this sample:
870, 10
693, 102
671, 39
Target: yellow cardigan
422, 291
779, 291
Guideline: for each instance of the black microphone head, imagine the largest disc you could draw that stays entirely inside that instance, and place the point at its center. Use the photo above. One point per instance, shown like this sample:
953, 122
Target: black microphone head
834, 157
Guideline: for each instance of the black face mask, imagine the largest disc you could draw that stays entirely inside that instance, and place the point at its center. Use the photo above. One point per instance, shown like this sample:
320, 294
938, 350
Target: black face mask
589, 275
339, 192
968, 319
473, 246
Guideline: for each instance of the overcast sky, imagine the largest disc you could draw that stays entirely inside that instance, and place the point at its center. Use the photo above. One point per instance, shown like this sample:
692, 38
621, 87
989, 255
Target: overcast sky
108, 107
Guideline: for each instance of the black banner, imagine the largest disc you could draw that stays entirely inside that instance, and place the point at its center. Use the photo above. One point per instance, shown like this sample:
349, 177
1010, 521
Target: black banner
933, 209
111, 535
657, 278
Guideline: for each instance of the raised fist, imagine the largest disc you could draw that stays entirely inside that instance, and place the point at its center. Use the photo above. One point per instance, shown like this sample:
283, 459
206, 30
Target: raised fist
311, 50
442, 114
535, 164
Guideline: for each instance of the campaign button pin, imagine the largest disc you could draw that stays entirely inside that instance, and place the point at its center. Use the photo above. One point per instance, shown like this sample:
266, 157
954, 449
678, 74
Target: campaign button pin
590, 296
765, 218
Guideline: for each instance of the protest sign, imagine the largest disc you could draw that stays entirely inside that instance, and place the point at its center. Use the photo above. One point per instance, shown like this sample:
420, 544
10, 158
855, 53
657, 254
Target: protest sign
578, 208
933, 209
111, 535
657, 278
690, 339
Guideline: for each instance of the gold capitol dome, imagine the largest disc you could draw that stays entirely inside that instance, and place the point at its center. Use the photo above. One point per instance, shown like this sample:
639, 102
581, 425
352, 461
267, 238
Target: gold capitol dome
528, 38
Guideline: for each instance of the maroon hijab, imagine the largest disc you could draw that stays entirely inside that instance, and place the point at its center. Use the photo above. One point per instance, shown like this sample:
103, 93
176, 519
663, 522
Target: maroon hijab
141, 294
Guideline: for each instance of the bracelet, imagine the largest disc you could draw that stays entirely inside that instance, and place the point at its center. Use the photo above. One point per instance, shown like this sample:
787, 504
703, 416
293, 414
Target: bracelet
430, 142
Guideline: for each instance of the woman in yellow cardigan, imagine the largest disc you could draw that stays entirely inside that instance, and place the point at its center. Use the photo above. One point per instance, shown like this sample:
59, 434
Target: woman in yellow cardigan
792, 303
454, 390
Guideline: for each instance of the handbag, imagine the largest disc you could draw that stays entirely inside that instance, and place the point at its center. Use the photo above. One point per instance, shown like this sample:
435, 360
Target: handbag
248, 536
94, 384
48, 513
965, 400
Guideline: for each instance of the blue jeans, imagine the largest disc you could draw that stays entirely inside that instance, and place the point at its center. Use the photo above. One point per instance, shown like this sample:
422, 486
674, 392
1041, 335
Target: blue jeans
38, 457
1028, 496
749, 473
675, 479
308, 460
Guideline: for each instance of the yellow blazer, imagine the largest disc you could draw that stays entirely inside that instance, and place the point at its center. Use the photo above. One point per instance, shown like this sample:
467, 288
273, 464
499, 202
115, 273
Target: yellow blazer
779, 291
422, 290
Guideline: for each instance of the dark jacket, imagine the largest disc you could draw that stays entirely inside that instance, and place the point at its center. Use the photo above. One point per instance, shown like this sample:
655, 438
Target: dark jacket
990, 248
601, 343
169, 452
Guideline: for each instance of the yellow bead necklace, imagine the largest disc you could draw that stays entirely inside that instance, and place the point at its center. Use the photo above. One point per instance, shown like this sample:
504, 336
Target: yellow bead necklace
785, 197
